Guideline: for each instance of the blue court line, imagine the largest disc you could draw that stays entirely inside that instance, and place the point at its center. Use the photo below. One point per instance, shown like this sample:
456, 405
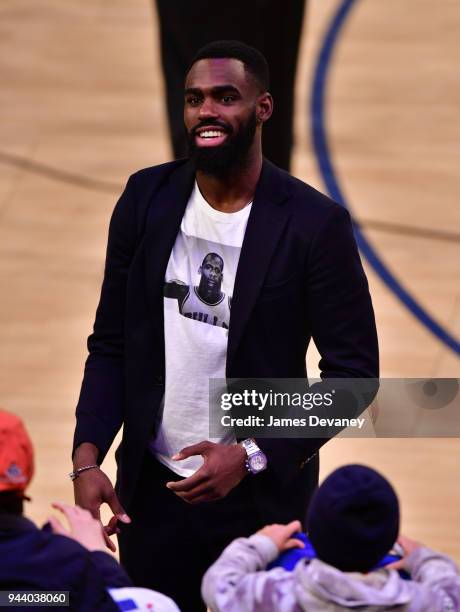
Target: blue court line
320, 143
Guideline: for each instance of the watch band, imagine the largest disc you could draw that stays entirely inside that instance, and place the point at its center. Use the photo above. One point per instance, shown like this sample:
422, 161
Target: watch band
250, 446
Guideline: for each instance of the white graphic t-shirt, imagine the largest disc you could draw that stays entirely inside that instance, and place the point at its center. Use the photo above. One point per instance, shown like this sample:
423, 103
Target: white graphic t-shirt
197, 303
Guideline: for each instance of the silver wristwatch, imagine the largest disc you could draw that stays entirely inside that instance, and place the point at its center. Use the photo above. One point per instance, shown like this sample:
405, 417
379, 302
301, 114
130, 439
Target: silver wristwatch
256, 459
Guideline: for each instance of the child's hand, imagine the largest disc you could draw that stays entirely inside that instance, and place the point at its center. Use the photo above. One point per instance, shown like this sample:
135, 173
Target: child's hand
281, 535
408, 547
83, 527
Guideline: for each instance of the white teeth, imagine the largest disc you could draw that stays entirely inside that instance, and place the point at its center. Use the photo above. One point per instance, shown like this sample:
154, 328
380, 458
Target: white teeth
211, 134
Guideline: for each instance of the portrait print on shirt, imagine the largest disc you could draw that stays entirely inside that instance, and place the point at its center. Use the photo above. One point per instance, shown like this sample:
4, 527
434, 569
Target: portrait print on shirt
201, 291
205, 302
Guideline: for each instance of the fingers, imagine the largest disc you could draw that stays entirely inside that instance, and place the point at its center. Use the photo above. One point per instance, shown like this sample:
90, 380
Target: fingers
57, 526
117, 508
112, 526
106, 532
65, 508
282, 535
190, 451
206, 497
202, 492
293, 527
289, 530
293, 543
188, 484
119, 514
74, 513
405, 542
71, 512
110, 545
396, 565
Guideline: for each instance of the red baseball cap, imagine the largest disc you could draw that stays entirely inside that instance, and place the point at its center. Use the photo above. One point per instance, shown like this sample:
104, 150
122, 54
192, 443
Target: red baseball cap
16, 454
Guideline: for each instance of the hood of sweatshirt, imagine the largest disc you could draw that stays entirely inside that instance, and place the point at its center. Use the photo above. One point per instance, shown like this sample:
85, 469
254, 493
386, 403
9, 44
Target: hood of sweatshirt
349, 589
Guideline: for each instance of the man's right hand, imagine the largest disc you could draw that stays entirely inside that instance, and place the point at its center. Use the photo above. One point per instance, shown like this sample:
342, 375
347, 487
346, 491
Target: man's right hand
93, 488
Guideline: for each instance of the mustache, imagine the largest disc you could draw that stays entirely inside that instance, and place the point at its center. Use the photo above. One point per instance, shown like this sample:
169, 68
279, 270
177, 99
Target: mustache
211, 123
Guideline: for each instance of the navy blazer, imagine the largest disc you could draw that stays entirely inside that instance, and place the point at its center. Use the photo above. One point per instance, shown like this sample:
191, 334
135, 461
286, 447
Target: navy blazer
299, 277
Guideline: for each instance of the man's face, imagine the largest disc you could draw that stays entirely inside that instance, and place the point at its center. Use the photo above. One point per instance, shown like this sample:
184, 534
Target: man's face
219, 114
212, 272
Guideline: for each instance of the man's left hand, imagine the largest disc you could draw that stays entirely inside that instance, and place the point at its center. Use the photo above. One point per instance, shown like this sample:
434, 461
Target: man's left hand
223, 468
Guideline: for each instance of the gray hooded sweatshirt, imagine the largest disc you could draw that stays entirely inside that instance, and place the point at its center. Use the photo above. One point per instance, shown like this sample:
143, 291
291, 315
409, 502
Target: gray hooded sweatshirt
235, 583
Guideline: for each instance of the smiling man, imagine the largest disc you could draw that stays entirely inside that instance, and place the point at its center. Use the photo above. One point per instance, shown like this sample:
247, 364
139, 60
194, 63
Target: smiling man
294, 273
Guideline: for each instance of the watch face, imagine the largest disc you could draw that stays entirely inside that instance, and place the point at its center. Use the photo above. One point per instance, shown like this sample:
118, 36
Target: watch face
257, 462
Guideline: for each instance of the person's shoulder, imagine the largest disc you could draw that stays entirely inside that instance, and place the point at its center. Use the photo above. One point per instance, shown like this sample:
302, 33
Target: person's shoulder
60, 544
303, 199
38, 544
154, 174
306, 200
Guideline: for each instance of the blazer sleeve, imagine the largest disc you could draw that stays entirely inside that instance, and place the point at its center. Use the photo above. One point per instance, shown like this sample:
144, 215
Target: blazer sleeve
340, 306
100, 407
343, 328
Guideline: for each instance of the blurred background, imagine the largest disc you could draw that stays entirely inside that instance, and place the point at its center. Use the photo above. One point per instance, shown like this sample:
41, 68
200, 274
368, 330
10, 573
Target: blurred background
82, 105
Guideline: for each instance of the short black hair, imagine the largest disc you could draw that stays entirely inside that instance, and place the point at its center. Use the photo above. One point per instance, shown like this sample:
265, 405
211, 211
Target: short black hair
214, 256
253, 60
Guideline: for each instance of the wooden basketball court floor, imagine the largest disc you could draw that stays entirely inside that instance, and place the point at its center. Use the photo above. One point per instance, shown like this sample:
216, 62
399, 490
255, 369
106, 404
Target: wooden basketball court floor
82, 108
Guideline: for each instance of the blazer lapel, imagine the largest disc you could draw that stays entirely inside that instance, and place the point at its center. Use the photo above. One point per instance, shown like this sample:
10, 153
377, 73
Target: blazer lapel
163, 224
265, 226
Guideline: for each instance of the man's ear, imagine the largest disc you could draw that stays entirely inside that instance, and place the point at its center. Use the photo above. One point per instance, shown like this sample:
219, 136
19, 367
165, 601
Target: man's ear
264, 107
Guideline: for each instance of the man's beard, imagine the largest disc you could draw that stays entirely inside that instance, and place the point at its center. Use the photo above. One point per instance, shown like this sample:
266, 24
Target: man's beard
233, 153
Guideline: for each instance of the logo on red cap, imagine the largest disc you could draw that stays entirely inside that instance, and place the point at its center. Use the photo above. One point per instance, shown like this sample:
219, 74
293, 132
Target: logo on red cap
16, 454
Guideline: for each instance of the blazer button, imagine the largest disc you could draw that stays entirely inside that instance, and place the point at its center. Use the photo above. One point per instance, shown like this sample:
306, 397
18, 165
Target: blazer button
159, 380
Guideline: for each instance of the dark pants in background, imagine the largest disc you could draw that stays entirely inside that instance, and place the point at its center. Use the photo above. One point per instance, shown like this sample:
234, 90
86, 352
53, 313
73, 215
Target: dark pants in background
170, 543
272, 26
